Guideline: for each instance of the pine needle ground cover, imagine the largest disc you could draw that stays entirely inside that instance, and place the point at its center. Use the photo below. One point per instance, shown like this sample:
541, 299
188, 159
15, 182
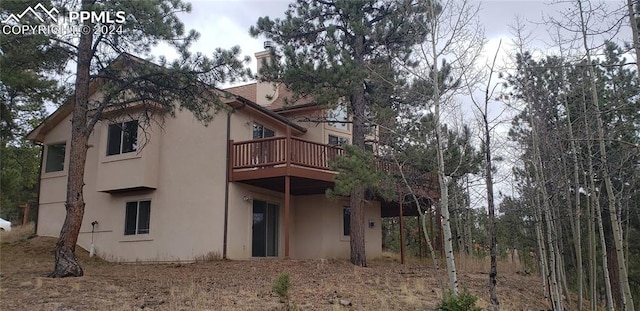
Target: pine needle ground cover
234, 285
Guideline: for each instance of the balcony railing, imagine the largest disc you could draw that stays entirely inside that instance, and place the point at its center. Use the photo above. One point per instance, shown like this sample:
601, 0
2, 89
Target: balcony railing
254, 159
278, 151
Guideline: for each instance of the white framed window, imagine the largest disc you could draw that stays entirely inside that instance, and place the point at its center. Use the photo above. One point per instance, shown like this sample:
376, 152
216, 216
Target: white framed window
338, 140
55, 157
137, 217
339, 114
260, 131
122, 137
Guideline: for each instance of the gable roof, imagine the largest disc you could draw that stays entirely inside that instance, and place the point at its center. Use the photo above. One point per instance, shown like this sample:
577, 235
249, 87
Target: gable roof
39, 132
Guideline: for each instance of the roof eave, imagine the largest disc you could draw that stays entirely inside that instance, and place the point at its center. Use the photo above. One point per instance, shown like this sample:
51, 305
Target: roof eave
299, 129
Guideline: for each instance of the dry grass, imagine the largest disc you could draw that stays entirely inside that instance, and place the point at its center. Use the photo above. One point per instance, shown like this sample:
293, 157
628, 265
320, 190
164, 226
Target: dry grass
17, 233
237, 285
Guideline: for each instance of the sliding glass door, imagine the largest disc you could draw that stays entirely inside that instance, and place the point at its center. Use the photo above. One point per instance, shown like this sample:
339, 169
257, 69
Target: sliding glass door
264, 229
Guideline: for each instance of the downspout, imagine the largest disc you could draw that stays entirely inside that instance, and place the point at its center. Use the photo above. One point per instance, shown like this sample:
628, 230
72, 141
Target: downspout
37, 213
226, 190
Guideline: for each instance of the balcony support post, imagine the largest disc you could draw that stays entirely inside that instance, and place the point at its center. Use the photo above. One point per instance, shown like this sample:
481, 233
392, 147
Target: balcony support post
287, 150
287, 208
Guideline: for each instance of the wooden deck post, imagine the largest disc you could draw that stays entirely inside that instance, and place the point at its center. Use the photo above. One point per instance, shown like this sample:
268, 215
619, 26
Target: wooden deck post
25, 213
287, 151
287, 192
401, 229
287, 207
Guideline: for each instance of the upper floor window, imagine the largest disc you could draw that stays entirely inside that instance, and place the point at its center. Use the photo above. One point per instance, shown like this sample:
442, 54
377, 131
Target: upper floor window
122, 137
137, 217
338, 114
338, 140
55, 157
260, 131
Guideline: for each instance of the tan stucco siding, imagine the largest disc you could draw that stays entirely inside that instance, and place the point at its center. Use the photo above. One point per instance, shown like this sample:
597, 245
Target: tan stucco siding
52, 217
240, 218
187, 209
184, 167
315, 225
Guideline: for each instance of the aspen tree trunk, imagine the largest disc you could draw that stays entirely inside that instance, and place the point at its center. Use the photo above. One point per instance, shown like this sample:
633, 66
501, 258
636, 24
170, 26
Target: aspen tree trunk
596, 210
493, 273
627, 299
575, 221
423, 222
444, 207
542, 252
556, 299
559, 237
634, 32
605, 261
442, 178
457, 220
577, 214
488, 175
468, 221
593, 281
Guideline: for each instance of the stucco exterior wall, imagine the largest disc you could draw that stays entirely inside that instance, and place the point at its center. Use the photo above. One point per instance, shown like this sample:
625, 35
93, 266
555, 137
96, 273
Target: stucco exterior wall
184, 166
315, 225
187, 207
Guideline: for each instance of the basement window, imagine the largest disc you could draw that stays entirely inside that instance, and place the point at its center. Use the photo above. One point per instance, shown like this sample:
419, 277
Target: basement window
55, 158
122, 137
137, 217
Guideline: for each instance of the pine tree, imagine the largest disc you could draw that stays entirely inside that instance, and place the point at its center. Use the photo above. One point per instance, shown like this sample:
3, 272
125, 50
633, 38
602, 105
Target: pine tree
333, 50
27, 64
183, 84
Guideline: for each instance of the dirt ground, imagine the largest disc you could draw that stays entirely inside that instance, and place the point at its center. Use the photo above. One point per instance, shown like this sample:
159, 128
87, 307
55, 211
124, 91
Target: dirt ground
236, 285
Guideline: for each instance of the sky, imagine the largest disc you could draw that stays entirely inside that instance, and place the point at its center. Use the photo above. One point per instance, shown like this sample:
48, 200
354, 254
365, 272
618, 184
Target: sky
226, 23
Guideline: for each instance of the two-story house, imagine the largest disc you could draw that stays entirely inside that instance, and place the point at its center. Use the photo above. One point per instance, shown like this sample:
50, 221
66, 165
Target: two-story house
250, 184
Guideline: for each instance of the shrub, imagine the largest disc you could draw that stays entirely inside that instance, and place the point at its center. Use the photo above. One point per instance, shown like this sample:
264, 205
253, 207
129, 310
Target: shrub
281, 286
464, 301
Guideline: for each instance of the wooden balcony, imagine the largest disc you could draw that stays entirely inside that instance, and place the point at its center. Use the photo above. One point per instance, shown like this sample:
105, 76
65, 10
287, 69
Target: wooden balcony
265, 162
295, 166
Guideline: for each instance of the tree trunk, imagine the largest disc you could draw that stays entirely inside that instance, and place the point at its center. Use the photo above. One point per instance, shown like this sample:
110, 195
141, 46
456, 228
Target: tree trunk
575, 220
542, 252
605, 264
593, 282
457, 215
493, 273
627, 302
423, 222
612, 259
358, 256
540, 181
634, 33
358, 111
595, 202
444, 204
66, 263
442, 178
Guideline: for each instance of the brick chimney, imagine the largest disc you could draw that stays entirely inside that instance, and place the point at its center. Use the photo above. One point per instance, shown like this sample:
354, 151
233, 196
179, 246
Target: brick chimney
266, 92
